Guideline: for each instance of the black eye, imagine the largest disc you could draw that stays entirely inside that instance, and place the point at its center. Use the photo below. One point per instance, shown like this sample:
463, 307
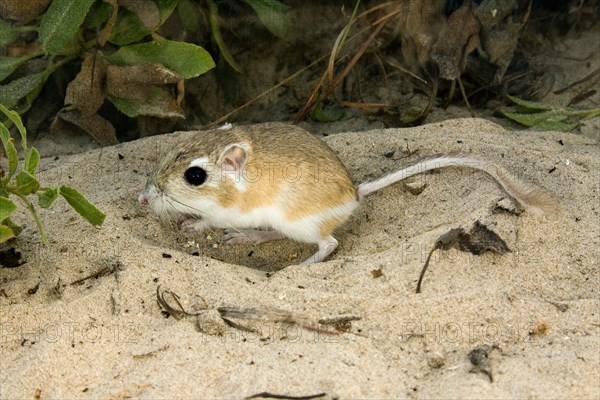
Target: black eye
195, 176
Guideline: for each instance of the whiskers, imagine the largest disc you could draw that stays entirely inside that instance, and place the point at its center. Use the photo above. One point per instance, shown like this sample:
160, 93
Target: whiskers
172, 211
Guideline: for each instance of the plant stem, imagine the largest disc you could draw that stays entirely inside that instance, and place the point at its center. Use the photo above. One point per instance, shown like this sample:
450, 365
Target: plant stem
36, 217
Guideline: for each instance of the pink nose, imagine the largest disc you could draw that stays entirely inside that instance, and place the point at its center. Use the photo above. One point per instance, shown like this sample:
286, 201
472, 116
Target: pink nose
143, 199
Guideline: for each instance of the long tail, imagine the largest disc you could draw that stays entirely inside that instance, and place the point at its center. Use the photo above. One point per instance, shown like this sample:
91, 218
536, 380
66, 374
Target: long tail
529, 196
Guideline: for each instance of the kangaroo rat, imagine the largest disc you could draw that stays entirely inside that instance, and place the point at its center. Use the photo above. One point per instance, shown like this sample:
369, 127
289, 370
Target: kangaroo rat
282, 178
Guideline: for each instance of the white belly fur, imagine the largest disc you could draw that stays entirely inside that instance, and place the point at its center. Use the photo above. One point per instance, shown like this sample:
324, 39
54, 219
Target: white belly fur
306, 229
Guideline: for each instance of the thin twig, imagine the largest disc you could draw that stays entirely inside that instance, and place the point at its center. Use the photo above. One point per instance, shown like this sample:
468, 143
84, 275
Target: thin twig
267, 395
225, 117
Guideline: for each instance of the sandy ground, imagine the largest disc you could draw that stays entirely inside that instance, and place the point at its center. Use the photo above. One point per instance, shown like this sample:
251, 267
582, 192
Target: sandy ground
537, 307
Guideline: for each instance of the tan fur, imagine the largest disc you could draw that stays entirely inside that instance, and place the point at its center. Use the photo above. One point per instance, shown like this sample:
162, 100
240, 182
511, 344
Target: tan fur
330, 224
280, 177
286, 170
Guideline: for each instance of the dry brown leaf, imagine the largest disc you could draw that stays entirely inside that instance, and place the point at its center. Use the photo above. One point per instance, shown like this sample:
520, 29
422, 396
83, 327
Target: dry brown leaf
23, 49
119, 86
479, 240
456, 41
149, 100
419, 30
493, 12
22, 11
150, 73
104, 34
94, 125
87, 91
500, 44
150, 126
134, 82
499, 33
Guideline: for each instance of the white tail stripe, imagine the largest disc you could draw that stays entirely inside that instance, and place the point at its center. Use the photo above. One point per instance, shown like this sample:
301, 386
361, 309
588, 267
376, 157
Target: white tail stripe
532, 198
418, 168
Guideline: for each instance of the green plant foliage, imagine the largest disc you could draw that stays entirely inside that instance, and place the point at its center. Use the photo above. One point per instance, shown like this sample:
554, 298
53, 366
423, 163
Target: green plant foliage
8, 65
7, 207
100, 35
213, 17
45, 199
32, 159
6, 233
61, 31
97, 15
322, 115
11, 152
186, 59
130, 28
15, 118
187, 15
272, 14
82, 205
61, 22
21, 183
20, 89
25, 183
7, 33
542, 116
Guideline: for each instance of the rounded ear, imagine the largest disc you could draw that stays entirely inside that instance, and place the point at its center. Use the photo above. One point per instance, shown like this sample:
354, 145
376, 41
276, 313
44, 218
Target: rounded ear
233, 157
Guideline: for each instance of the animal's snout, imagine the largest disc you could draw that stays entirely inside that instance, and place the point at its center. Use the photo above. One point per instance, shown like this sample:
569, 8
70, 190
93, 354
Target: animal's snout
143, 199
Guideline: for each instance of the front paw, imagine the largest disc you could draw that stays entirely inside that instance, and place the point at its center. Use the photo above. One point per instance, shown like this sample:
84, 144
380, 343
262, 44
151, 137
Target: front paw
193, 225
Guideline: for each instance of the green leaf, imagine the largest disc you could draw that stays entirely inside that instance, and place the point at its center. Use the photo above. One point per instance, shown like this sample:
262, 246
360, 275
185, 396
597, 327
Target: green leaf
82, 205
127, 107
213, 18
272, 14
14, 227
186, 59
32, 159
7, 33
61, 22
46, 199
16, 119
10, 150
547, 120
330, 115
556, 126
6, 233
26, 183
529, 106
8, 65
186, 12
527, 119
98, 14
15, 91
129, 28
546, 117
7, 207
